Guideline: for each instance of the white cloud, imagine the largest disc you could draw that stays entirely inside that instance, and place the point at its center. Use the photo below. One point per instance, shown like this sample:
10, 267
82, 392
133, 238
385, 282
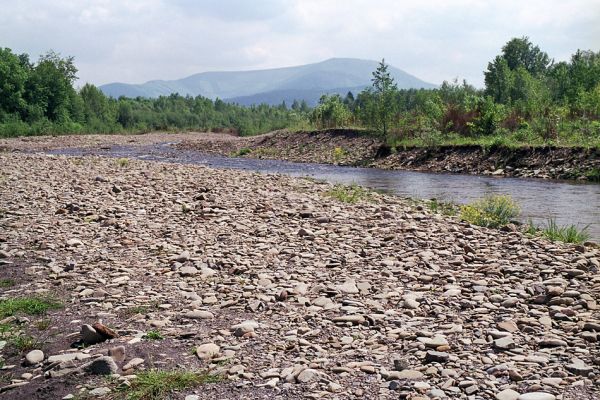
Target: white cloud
139, 40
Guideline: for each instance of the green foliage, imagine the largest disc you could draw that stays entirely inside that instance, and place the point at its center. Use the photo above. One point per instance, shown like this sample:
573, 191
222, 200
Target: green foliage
566, 234
242, 152
25, 343
5, 283
492, 211
440, 207
159, 385
27, 305
338, 154
331, 112
349, 194
123, 162
153, 335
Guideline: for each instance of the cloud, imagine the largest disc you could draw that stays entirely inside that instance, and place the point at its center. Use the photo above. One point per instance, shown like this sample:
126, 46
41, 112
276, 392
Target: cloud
140, 40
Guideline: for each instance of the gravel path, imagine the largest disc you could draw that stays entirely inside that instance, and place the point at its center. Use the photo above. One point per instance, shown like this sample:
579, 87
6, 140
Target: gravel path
282, 290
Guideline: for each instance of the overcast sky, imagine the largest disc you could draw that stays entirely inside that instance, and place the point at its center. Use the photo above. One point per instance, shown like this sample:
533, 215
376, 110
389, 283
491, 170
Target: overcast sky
138, 40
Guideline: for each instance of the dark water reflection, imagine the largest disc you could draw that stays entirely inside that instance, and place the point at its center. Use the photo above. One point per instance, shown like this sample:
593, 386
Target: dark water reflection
567, 202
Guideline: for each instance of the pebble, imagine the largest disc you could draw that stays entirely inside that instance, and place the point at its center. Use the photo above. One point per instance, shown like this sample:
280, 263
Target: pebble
34, 357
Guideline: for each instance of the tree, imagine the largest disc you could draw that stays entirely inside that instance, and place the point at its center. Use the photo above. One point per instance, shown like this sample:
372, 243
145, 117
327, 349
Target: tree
518, 56
384, 91
13, 76
522, 53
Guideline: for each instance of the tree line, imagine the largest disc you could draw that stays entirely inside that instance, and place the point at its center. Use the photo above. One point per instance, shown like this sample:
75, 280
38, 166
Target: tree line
527, 98
40, 98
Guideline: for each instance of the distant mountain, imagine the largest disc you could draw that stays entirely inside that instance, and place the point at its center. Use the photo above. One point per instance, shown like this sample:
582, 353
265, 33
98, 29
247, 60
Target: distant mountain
271, 86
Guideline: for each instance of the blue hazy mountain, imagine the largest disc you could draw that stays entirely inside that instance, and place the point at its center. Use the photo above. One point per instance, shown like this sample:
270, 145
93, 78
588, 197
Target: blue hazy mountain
272, 86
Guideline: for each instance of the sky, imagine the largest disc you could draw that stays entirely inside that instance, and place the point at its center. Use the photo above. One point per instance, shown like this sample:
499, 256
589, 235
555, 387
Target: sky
135, 41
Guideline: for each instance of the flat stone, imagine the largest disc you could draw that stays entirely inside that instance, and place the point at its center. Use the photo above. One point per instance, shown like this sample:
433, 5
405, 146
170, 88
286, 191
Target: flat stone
134, 362
308, 375
98, 392
507, 394
537, 396
505, 343
436, 356
199, 314
188, 271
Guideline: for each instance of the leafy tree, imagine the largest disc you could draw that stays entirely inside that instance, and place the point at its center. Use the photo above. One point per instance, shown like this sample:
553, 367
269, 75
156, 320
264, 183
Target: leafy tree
331, 112
519, 56
13, 75
384, 90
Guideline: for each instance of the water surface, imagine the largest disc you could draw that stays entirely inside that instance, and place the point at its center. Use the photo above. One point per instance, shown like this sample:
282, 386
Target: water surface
566, 201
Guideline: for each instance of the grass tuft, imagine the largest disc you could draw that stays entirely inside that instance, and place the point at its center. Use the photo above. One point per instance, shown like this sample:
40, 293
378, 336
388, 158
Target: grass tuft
158, 385
491, 211
349, 194
6, 283
122, 162
153, 335
566, 234
242, 152
440, 207
27, 305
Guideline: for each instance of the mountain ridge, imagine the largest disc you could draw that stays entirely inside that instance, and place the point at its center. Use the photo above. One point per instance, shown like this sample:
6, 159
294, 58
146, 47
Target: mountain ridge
335, 75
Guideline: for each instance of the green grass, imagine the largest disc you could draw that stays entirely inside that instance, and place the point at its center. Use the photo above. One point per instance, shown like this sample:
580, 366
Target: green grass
158, 385
24, 343
27, 305
440, 207
153, 335
338, 154
242, 152
566, 234
349, 194
492, 211
593, 175
6, 283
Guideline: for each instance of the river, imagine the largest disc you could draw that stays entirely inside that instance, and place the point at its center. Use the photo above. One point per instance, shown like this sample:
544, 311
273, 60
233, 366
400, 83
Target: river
566, 201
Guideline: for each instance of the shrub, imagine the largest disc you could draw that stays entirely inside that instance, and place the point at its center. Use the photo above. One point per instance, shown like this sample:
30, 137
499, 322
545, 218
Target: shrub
492, 211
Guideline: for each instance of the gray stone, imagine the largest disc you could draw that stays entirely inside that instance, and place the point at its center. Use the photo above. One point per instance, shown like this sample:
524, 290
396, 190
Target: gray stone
507, 394
436, 356
34, 357
101, 366
89, 335
207, 351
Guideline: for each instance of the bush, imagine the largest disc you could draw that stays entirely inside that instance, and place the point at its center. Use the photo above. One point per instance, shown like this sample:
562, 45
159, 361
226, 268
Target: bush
492, 211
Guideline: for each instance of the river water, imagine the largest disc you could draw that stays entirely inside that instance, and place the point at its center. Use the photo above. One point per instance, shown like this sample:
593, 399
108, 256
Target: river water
566, 201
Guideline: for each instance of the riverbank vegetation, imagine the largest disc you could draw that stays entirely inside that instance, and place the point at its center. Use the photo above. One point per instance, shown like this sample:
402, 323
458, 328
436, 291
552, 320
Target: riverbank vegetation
497, 211
528, 99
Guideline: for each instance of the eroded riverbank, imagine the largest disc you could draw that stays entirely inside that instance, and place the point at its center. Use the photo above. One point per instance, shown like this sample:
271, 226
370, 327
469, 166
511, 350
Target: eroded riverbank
374, 300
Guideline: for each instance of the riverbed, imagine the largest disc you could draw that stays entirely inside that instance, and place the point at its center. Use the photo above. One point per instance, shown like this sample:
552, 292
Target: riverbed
568, 202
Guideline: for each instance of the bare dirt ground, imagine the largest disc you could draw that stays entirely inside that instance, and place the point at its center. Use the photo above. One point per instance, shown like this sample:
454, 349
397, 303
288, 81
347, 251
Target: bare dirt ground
277, 288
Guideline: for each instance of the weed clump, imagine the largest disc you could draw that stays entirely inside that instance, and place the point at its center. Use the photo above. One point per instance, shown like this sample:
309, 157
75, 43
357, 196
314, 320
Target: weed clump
158, 385
492, 211
349, 194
